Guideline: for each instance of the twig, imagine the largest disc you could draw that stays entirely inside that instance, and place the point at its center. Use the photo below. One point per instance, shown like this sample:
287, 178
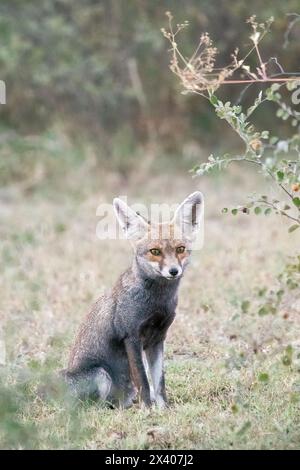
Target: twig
282, 212
259, 80
256, 162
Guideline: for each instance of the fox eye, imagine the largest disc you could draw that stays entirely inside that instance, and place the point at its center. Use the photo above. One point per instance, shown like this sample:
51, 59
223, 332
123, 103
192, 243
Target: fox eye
180, 249
155, 251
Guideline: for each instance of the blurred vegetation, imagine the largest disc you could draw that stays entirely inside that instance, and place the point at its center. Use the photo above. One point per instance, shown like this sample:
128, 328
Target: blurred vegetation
100, 70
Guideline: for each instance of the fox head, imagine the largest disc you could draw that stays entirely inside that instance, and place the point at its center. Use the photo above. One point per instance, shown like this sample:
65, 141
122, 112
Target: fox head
162, 250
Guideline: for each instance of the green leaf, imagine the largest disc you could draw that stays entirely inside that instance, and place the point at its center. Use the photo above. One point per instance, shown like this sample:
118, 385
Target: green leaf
296, 201
280, 175
214, 100
268, 211
292, 85
234, 211
224, 210
279, 112
264, 134
195, 169
273, 140
275, 87
293, 228
257, 210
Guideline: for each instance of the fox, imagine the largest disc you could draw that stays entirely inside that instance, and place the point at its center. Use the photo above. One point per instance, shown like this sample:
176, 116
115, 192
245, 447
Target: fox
118, 355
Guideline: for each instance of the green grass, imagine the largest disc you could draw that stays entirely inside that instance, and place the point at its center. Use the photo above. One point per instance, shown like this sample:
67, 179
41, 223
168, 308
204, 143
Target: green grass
227, 380
209, 409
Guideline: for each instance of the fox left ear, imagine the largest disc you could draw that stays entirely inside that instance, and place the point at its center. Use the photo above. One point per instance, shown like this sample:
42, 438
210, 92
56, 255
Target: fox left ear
132, 224
189, 214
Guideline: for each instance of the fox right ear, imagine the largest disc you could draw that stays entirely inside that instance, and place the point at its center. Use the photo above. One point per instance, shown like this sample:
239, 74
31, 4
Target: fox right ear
132, 224
189, 214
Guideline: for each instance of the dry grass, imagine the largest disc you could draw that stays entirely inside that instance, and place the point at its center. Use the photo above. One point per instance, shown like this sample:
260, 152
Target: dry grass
53, 267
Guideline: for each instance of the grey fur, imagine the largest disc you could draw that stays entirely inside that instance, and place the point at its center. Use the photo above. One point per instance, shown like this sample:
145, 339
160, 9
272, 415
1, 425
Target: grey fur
107, 358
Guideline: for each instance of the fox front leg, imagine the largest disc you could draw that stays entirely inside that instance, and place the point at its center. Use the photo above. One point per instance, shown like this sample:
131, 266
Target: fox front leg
137, 369
155, 358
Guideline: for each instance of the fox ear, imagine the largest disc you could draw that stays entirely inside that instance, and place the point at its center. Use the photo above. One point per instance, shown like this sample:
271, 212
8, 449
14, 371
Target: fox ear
132, 224
189, 214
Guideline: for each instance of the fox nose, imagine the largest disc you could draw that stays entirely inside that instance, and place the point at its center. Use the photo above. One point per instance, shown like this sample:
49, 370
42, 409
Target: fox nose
173, 271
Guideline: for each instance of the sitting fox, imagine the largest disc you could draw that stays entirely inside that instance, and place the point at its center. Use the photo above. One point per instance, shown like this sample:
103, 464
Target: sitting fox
121, 341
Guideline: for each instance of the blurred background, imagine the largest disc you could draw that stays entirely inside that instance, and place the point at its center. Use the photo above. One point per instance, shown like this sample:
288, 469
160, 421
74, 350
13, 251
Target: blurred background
88, 83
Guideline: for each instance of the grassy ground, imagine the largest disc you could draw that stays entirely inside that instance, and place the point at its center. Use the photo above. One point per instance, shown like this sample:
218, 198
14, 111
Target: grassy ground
227, 380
